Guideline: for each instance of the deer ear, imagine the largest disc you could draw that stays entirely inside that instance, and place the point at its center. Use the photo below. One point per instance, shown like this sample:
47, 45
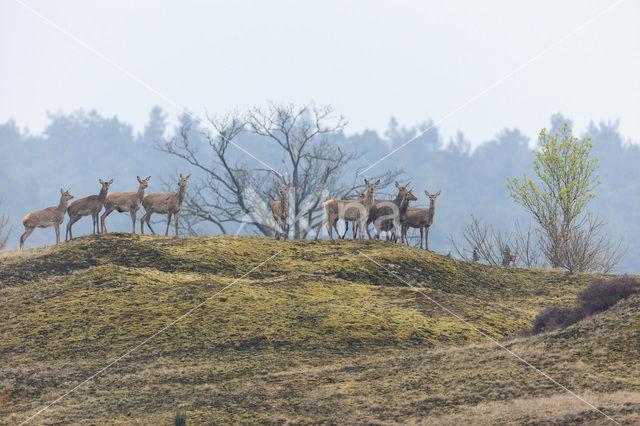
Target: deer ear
366, 181
180, 175
61, 191
139, 180
147, 179
101, 182
426, 193
437, 193
188, 176
397, 185
377, 182
408, 183
111, 181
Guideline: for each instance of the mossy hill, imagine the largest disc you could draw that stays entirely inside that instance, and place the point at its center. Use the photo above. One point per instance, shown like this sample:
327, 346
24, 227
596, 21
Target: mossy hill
298, 332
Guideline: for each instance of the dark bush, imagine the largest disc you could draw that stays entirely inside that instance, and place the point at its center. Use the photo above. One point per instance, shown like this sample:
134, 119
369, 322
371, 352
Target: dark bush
602, 293
599, 296
551, 318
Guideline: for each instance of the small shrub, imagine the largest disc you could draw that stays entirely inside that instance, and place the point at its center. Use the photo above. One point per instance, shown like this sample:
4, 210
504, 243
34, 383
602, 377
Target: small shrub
551, 318
599, 296
180, 419
602, 294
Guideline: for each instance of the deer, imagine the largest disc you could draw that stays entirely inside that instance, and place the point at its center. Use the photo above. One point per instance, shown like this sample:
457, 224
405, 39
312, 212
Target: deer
420, 218
348, 210
280, 211
361, 196
168, 203
86, 206
385, 214
51, 216
125, 202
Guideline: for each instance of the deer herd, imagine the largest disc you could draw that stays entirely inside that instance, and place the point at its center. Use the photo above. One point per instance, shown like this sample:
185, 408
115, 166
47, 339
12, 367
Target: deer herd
394, 216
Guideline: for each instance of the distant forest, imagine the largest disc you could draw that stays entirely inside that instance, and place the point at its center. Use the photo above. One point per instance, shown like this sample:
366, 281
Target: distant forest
76, 149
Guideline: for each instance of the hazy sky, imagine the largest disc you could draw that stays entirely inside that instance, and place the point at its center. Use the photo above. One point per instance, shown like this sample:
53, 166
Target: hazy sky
371, 60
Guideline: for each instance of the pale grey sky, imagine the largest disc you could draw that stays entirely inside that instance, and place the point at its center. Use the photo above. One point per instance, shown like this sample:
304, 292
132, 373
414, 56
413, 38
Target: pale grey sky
369, 59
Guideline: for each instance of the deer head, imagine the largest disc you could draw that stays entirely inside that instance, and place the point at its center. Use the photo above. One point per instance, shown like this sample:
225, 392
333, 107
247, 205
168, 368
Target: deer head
404, 193
410, 196
105, 185
432, 197
144, 183
65, 196
283, 190
182, 183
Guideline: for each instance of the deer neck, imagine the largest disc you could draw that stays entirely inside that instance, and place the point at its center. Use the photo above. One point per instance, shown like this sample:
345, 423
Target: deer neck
140, 193
283, 205
102, 195
62, 206
368, 200
432, 208
398, 200
404, 205
181, 192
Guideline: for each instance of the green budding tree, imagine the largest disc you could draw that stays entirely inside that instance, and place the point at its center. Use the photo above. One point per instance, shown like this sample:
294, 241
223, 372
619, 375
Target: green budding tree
569, 236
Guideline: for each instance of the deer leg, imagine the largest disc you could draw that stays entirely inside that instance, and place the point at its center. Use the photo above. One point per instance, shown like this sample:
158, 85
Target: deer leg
426, 238
175, 222
166, 233
96, 223
133, 214
24, 236
57, 228
69, 225
346, 228
421, 232
106, 213
330, 224
362, 224
148, 221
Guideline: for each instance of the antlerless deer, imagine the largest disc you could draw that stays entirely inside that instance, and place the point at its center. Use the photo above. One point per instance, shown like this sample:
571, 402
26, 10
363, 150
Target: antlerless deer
51, 216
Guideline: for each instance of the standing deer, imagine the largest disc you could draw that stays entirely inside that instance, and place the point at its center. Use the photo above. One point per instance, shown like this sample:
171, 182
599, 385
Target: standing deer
420, 218
125, 202
280, 211
361, 196
51, 216
353, 210
86, 206
385, 214
169, 204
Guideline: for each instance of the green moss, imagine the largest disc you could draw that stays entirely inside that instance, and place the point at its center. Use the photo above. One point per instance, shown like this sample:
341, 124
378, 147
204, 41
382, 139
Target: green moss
316, 329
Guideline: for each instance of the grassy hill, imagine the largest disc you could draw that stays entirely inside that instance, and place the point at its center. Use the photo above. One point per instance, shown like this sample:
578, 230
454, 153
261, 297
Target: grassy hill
318, 333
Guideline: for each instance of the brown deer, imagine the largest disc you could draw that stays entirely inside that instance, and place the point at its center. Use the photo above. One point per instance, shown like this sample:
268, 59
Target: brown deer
385, 214
280, 211
125, 202
86, 206
51, 216
353, 210
421, 219
169, 204
361, 196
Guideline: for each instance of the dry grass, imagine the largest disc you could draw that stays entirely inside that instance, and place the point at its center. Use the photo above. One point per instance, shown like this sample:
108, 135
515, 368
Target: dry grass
320, 334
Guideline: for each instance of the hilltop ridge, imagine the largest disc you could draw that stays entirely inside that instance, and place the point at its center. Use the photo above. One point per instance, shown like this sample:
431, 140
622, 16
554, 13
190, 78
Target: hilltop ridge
314, 332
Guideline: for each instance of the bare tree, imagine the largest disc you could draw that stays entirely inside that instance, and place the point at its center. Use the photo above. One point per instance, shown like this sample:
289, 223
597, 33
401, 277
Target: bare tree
5, 231
586, 248
483, 243
230, 192
526, 245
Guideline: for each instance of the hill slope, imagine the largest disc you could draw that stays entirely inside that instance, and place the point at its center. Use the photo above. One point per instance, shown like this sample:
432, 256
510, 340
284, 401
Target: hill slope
317, 332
